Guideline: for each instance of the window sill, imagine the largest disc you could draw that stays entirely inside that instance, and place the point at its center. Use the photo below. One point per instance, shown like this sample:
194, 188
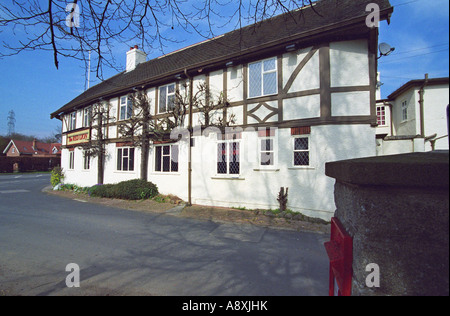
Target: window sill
262, 96
267, 169
302, 168
227, 178
165, 174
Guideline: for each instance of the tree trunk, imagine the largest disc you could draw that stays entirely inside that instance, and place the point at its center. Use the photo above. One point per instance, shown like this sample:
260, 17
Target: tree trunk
144, 161
100, 169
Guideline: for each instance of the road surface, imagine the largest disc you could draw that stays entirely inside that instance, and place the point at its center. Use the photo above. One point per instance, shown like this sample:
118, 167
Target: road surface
122, 252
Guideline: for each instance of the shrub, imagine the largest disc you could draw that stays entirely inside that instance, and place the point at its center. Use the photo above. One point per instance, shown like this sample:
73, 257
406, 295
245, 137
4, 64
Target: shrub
128, 190
57, 176
102, 190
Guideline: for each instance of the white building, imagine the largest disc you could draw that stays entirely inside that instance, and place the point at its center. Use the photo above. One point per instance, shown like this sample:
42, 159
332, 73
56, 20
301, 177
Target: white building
413, 118
302, 90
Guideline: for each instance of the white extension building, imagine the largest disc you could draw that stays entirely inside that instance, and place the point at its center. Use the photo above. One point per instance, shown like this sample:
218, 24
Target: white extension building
300, 86
413, 118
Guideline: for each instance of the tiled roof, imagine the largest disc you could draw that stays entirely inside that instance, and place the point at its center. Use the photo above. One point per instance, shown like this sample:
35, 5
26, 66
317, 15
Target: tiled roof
324, 16
26, 147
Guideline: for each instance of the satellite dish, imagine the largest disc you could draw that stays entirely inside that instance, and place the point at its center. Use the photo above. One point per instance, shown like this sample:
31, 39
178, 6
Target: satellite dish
385, 49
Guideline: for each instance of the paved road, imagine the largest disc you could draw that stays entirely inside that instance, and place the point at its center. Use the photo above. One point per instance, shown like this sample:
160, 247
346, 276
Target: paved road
123, 252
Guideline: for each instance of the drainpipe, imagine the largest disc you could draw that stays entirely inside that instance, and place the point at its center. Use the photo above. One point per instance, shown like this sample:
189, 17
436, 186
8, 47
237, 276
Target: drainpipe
391, 125
448, 126
421, 101
191, 86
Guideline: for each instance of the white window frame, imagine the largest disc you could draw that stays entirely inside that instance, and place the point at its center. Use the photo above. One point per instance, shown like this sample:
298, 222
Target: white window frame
87, 116
262, 150
125, 102
86, 161
404, 111
381, 115
71, 160
72, 121
122, 158
301, 150
171, 157
263, 72
167, 96
228, 142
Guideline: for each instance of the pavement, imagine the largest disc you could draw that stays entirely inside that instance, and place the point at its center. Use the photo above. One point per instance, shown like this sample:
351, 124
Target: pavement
216, 214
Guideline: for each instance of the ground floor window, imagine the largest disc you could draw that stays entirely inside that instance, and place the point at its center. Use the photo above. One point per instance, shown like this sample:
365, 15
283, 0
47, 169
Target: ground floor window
166, 158
125, 159
87, 161
268, 148
71, 160
228, 158
301, 151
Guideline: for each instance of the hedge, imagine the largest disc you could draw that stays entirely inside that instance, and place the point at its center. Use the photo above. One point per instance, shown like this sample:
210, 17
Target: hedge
28, 163
136, 189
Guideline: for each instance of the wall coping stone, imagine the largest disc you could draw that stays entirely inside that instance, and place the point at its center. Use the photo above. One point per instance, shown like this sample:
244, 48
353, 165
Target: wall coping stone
419, 170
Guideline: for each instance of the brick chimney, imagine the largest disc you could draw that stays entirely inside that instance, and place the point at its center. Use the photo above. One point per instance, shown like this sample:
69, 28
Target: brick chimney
135, 57
34, 144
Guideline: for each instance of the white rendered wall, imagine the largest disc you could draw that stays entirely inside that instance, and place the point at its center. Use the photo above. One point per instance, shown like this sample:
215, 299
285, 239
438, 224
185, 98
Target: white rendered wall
436, 99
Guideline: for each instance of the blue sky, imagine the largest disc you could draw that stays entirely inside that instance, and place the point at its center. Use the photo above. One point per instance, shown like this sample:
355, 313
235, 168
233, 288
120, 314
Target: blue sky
34, 88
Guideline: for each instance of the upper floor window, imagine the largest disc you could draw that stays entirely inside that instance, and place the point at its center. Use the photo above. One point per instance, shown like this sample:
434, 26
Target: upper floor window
72, 121
262, 78
87, 115
404, 110
166, 98
126, 108
381, 115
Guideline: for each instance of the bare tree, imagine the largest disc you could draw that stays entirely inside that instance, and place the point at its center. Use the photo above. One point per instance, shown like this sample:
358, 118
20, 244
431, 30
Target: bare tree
73, 29
137, 128
96, 146
211, 107
142, 128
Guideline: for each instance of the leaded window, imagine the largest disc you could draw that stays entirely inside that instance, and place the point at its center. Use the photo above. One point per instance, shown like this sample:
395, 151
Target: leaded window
301, 151
262, 78
228, 158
